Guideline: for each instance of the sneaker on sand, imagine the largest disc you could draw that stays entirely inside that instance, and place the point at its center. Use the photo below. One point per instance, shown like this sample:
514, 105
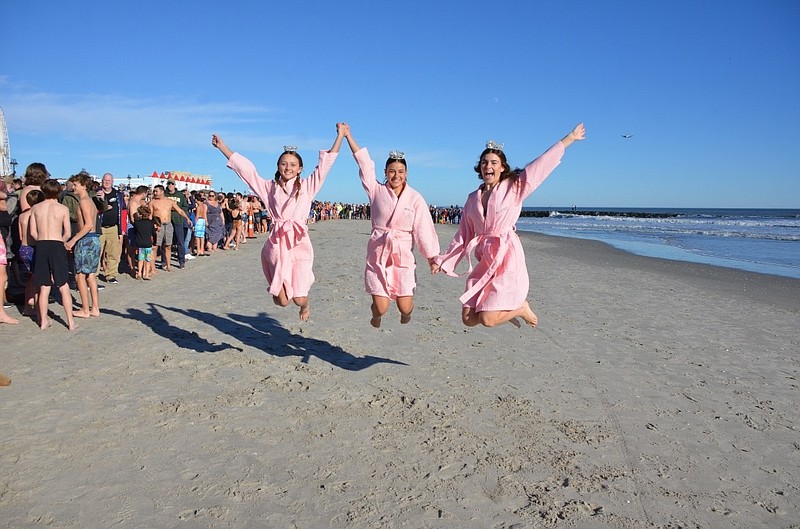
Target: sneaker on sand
112, 280
189, 257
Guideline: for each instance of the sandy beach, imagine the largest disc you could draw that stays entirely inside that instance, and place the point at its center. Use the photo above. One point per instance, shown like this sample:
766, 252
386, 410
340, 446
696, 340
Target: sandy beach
654, 394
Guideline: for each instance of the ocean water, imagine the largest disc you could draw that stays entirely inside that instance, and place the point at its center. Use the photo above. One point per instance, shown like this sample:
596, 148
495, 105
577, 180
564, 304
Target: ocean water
766, 241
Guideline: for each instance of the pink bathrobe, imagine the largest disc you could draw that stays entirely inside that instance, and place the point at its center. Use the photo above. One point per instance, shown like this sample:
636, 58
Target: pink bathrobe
287, 256
499, 281
398, 223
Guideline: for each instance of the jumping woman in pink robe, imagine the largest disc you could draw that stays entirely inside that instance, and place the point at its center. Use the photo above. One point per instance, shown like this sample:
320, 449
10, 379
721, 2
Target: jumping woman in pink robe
497, 286
400, 219
287, 257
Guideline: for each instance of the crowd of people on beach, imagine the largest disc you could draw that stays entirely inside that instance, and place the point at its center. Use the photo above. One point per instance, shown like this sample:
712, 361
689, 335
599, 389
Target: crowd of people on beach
154, 221
83, 234
106, 232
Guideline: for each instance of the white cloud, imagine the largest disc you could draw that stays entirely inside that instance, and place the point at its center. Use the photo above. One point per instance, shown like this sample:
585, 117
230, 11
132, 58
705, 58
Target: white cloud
164, 122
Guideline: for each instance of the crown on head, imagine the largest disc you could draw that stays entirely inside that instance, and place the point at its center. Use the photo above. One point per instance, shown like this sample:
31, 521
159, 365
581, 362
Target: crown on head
491, 144
397, 155
289, 148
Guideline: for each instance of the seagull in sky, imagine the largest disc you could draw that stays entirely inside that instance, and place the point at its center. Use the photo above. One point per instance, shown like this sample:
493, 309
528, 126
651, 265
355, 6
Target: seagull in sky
626, 136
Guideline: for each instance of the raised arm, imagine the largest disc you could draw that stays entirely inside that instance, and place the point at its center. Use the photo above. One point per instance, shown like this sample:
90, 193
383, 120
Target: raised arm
351, 141
217, 142
577, 134
341, 130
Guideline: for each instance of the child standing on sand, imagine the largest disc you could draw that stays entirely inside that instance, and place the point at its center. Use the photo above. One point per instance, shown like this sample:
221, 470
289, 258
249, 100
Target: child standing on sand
145, 233
400, 220
287, 257
49, 227
26, 254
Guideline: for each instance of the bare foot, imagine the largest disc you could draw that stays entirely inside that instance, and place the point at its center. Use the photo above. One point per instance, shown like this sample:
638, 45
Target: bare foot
4, 380
405, 318
5, 318
529, 316
95, 314
81, 314
375, 322
45, 325
73, 326
305, 312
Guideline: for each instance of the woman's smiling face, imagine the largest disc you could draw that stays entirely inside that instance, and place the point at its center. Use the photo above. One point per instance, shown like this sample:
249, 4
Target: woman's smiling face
289, 166
396, 176
491, 167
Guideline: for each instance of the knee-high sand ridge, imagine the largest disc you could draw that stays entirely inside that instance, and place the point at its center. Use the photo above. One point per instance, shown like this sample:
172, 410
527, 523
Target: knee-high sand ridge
653, 394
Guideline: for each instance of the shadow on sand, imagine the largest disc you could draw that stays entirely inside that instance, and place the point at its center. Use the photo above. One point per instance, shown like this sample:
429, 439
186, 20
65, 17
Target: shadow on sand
261, 332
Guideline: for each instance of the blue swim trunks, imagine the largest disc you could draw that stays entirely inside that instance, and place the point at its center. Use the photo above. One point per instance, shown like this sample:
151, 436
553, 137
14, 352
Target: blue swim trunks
145, 254
87, 254
27, 257
200, 228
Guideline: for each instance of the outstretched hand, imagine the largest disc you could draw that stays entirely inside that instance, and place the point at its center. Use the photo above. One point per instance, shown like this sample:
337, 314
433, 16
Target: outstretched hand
217, 142
579, 132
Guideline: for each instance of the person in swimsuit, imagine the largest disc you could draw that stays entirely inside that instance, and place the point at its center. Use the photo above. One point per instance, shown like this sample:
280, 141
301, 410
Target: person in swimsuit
27, 252
85, 246
49, 227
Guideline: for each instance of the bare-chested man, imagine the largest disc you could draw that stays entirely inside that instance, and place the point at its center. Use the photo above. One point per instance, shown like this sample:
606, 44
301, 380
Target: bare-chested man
49, 227
138, 198
85, 245
162, 209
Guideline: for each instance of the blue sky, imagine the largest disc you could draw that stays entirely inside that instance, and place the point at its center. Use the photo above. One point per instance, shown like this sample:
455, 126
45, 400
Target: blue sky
708, 89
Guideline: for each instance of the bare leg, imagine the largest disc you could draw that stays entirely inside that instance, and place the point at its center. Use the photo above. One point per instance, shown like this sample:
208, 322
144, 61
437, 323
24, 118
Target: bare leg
380, 305
83, 291
405, 304
305, 310
95, 294
66, 300
166, 252
492, 318
44, 298
281, 299
30, 297
152, 263
5, 318
469, 317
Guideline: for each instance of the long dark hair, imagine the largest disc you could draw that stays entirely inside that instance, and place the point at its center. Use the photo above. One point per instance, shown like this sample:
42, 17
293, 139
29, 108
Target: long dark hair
507, 171
278, 179
35, 174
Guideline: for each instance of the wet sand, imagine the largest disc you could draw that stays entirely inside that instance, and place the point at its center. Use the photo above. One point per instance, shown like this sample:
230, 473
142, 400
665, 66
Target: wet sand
653, 394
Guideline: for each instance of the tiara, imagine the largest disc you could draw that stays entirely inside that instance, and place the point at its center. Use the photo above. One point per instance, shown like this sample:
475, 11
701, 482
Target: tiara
491, 144
289, 148
397, 155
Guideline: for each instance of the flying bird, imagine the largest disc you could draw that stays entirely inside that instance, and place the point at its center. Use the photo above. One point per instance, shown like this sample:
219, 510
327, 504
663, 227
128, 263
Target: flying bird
626, 136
